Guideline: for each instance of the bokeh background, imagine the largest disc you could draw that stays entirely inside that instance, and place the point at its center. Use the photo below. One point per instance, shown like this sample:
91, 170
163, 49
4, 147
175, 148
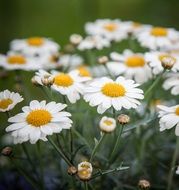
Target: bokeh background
59, 18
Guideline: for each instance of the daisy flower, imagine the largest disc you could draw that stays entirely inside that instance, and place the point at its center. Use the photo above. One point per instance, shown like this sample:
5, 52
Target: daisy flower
172, 82
38, 120
93, 42
155, 59
113, 30
169, 117
107, 124
157, 37
16, 61
69, 84
105, 93
35, 46
132, 65
8, 100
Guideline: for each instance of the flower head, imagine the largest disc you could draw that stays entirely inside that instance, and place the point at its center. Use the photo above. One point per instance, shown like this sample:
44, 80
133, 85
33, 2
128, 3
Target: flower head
105, 92
85, 170
38, 120
8, 100
107, 124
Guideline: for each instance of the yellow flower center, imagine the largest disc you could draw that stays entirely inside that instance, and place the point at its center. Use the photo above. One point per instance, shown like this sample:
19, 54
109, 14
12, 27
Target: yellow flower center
64, 80
4, 103
39, 117
110, 27
16, 59
135, 61
108, 122
84, 72
35, 41
158, 31
166, 57
113, 90
177, 111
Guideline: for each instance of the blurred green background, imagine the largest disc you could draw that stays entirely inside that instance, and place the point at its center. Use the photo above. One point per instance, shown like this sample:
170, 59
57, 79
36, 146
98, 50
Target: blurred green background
60, 18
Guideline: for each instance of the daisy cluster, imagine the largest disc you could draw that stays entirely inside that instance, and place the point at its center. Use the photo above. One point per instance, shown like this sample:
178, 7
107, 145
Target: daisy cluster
94, 73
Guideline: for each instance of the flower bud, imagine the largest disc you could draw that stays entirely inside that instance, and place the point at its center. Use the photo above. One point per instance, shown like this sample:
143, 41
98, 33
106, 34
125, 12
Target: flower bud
72, 170
75, 39
85, 170
123, 119
144, 184
47, 80
167, 61
103, 60
7, 151
107, 124
33, 81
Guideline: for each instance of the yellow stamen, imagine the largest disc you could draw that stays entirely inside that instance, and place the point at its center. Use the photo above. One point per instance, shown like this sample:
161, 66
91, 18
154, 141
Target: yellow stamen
39, 117
108, 122
64, 80
16, 59
177, 111
158, 31
113, 90
135, 61
35, 41
84, 72
110, 27
4, 103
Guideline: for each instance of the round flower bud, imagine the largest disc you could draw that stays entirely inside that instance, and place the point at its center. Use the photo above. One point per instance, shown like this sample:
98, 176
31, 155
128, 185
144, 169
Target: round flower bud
123, 119
69, 48
144, 184
72, 170
47, 80
107, 124
167, 61
103, 60
75, 39
85, 170
7, 151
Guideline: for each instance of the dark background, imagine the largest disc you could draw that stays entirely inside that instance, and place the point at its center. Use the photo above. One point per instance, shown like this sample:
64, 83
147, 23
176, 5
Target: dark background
60, 18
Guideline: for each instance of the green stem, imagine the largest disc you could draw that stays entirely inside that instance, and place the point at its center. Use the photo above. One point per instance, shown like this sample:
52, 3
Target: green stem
71, 144
157, 80
170, 176
59, 151
86, 185
96, 147
116, 144
39, 153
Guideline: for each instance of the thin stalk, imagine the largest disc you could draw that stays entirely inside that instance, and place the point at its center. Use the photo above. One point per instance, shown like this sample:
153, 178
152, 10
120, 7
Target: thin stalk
71, 143
86, 185
170, 176
96, 147
59, 151
39, 153
116, 144
8, 114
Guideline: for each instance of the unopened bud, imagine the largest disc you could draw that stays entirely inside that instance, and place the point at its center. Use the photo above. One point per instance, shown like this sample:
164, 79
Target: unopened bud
167, 61
123, 119
7, 151
144, 184
103, 60
107, 124
85, 170
75, 39
47, 81
72, 170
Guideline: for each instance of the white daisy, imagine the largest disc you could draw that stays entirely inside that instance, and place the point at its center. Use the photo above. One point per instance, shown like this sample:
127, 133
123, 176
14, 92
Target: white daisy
132, 65
172, 82
85, 170
154, 59
38, 120
169, 117
105, 92
157, 38
8, 100
93, 42
69, 84
113, 30
107, 124
16, 61
35, 46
